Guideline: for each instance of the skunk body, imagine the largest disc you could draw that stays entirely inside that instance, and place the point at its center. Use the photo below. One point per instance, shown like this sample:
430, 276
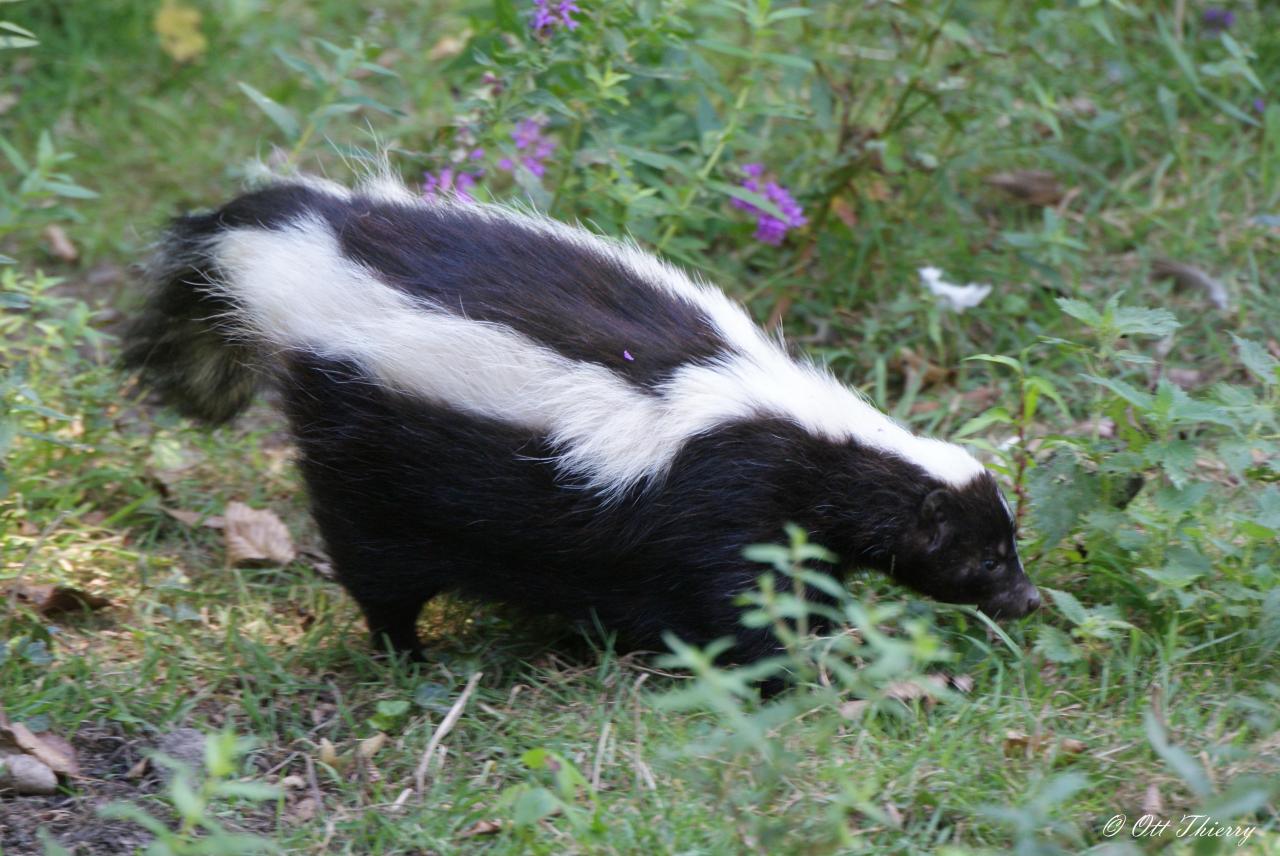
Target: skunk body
511, 408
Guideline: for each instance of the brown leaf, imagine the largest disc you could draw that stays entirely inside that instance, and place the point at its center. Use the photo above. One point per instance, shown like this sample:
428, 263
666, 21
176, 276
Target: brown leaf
194, 518
328, 754
481, 827
52, 599
844, 211
24, 774
256, 537
370, 745
46, 747
138, 770
1031, 186
449, 46
59, 244
1044, 743
1190, 276
1151, 802
303, 811
854, 708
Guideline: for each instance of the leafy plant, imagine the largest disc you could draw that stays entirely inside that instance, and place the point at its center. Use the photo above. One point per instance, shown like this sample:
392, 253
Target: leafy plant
193, 801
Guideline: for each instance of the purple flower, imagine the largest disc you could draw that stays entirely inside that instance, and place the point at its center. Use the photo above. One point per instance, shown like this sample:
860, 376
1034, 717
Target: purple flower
534, 147
1217, 20
1259, 105
545, 18
770, 229
626, 355
450, 182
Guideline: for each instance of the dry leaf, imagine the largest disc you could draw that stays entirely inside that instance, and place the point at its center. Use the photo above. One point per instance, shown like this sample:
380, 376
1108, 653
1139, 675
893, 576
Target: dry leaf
303, 811
24, 774
844, 211
256, 537
46, 747
1030, 745
328, 754
178, 26
52, 600
138, 770
1151, 802
854, 708
1190, 276
8, 101
481, 827
1032, 186
895, 816
293, 783
449, 46
194, 518
59, 244
370, 745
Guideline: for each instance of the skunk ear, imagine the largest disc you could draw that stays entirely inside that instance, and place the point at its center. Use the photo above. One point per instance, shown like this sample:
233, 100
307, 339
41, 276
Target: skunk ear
936, 517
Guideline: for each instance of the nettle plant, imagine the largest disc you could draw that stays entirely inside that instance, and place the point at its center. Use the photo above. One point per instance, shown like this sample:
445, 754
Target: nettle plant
713, 132
1166, 500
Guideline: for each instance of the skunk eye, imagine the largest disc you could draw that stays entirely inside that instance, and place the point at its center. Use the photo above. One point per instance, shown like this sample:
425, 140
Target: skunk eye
989, 564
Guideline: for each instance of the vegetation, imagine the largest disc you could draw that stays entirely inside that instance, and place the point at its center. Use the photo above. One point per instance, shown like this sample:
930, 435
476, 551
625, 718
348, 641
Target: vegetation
1110, 168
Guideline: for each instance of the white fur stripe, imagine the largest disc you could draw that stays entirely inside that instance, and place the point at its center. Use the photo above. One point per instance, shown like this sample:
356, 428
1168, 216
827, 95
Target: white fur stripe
298, 291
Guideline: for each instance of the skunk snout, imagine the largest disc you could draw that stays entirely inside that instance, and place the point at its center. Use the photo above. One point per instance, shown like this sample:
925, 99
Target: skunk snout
1017, 603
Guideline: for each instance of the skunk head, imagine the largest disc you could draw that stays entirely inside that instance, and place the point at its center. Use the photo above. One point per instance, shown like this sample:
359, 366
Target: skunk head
961, 548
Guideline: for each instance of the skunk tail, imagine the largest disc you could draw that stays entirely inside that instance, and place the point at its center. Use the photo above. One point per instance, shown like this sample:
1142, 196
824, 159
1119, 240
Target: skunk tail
180, 343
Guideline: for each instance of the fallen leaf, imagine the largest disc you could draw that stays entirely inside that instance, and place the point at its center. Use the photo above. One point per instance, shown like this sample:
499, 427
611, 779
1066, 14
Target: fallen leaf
895, 816
293, 783
256, 537
449, 46
178, 26
303, 811
328, 755
53, 599
853, 709
1044, 743
370, 745
46, 747
138, 770
1031, 186
1190, 276
844, 211
24, 774
194, 518
1151, 802
59, 244
481, 827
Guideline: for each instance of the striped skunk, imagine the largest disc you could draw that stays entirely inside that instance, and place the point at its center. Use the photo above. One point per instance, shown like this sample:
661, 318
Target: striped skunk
504, 406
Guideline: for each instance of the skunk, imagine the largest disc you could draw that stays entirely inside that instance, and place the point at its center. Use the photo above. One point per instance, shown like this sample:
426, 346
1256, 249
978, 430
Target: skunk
501, 405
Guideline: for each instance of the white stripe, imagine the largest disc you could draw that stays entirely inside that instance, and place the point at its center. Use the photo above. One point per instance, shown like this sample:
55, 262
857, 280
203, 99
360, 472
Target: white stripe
299, 291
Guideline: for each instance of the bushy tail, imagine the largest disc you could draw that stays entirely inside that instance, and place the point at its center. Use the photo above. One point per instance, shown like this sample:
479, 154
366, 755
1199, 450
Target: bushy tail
180, 342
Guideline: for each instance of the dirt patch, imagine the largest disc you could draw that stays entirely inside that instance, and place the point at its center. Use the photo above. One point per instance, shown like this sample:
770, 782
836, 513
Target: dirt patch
72, 818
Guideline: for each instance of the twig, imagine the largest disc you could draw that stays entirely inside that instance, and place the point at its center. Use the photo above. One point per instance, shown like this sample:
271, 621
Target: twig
446, 725
600, 747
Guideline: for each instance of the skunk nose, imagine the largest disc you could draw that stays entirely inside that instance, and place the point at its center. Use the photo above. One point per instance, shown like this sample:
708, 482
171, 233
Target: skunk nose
1033, 602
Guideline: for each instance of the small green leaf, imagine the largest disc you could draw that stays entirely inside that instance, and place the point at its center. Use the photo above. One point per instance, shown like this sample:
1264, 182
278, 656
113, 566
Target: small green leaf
276, 112
1067, 604
1260, 364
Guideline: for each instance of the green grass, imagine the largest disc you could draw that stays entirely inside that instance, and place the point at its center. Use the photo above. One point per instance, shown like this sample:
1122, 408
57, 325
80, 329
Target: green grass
1149, 686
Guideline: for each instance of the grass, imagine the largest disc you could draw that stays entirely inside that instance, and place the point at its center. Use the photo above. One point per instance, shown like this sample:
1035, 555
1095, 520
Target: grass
1147, 687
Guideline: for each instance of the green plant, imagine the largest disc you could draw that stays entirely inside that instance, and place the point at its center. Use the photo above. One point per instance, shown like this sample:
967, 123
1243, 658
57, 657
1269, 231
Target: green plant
194, 802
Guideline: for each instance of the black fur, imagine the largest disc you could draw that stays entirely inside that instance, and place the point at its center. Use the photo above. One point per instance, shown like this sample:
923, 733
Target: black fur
415, 498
